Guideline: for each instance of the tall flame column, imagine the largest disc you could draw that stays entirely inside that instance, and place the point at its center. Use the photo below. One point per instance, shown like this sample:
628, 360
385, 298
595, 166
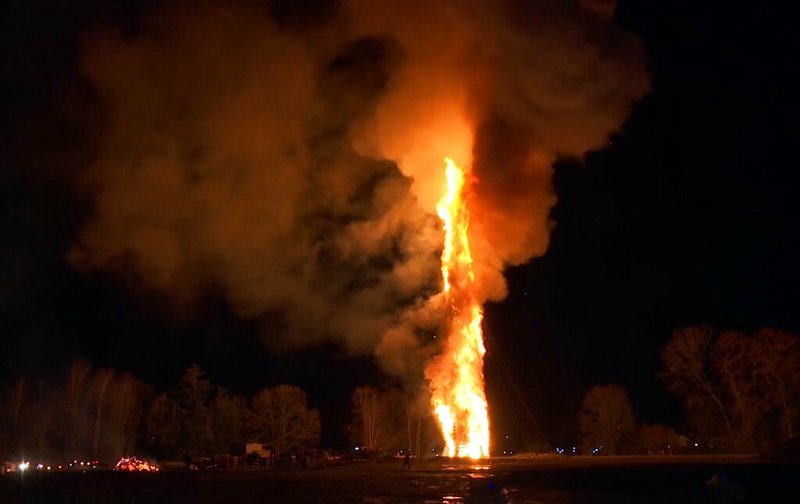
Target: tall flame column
456, 375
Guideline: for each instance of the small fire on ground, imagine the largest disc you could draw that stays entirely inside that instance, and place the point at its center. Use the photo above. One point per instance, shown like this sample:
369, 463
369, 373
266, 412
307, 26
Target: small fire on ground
135, 464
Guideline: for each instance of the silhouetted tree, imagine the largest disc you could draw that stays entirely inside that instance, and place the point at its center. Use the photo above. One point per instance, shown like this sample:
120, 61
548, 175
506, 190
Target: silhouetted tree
395, 420
733, 364
229, 415
687, 372
87, 413
366, 424
16, 398
46, 431
194, 413
281, 418
749, 386
77, 402
417, 407
606, 416
384, 421
162, 427
127, 397
102, 379
777, 369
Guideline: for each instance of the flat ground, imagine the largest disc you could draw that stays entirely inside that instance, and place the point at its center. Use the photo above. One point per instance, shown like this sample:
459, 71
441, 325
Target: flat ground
546, 479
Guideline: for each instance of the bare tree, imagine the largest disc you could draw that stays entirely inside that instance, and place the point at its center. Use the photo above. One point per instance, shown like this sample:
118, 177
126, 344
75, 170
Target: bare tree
16, 396
126, 400
686, 372
732, 360
76, 396
606, 417
98, 414
46, 411
387, 421
416, 407
10, 433
102, 379
777, 368
748, 385
366, 411
280, 417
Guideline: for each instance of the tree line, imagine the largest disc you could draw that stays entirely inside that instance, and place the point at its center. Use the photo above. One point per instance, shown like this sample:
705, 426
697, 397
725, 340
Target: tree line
90, 413
740, 392
207, 419
101, 413
104, 414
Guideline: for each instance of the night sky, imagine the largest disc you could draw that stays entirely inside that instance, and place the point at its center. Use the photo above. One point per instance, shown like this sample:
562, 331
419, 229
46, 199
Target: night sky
688, 216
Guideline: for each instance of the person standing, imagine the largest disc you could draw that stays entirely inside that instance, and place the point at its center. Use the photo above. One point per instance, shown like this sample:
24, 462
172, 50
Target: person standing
406, 461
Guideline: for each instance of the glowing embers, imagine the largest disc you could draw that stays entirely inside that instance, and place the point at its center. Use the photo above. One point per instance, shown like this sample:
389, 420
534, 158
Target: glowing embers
135, 464
456, 375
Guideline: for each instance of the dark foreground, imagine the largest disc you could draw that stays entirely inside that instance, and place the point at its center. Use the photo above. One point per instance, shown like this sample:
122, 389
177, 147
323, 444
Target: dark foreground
534, 480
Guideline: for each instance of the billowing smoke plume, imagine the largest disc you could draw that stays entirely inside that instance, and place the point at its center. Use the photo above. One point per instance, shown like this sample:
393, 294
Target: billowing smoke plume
293, 161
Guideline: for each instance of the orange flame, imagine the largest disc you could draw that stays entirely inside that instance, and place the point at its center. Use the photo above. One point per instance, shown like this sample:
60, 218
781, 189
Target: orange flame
456, 375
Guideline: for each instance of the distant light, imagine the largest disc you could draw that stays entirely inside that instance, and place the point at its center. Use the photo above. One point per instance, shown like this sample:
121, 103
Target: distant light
697, 444
357, 448
23, 466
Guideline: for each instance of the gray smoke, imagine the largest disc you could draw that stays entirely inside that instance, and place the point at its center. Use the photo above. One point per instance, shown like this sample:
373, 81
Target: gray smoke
294, 162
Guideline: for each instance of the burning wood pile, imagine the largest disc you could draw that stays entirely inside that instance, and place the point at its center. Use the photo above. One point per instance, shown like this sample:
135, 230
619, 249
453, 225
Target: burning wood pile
135, 464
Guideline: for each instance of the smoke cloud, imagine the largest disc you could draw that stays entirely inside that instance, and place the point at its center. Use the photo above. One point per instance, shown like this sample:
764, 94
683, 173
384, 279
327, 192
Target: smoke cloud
294, 161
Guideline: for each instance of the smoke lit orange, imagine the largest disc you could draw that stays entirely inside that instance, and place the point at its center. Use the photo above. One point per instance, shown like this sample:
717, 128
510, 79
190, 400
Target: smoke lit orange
456, 375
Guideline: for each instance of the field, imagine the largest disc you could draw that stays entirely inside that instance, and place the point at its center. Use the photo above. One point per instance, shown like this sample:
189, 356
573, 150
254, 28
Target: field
545, 479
